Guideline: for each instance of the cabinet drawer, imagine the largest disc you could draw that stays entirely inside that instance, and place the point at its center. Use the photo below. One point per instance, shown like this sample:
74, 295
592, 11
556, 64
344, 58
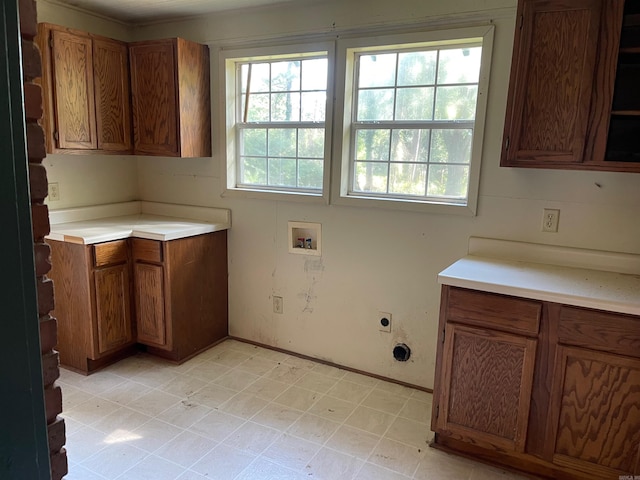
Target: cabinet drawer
610, 332
509, 314
147, 250
110, 253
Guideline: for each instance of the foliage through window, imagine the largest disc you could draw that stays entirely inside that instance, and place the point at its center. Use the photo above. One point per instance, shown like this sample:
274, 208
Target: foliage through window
412, 124
280, 131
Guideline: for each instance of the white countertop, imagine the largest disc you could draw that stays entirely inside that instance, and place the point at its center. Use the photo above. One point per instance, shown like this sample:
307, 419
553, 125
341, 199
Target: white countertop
584, 287
154, 221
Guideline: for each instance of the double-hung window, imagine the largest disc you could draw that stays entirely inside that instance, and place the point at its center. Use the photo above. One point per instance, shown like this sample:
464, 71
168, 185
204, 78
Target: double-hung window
413, 117
278, 121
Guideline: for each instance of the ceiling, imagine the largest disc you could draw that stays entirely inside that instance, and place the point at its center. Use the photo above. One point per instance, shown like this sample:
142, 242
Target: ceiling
149, 11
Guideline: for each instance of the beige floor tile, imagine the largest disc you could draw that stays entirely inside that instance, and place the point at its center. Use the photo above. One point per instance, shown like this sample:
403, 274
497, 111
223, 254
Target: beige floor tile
184, 386
125, 393
85, 442
438, 465
236, 380
207, 371
292, 452
271, 354
92, 410
369, 471
190, 475
286, 373
114, 460
332, 408
361, 379
73, 396
266, 388
223, 463
370, 420
397, 456
257, 365
212, 395
78, 472
298, 398
263, 469
216, 425
184, 414
252, 438
316, 382
243, 405
313, 428
186, 449
277, 416
154, 402
153, 468
485, 472
121, 419
354, 441
155, 378
417, 410
385, 401
154, 434
329, 464
329, 371
395, 389
99, 382
229, 358
350, 391
299, 362
422, 396
410, 432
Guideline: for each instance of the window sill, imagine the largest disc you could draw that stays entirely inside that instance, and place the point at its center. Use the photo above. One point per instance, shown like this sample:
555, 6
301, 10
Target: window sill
276, 195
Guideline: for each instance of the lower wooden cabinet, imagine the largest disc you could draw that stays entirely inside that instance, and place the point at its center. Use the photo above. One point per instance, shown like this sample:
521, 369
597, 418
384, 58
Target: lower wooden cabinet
170, 296
555, 393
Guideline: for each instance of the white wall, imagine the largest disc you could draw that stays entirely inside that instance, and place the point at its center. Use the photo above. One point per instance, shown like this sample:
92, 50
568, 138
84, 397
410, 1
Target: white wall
377, 259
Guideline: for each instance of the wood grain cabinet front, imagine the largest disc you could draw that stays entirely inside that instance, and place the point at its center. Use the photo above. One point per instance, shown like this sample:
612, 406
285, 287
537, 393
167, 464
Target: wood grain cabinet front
85, 85
171, 93
561, 400
571, 103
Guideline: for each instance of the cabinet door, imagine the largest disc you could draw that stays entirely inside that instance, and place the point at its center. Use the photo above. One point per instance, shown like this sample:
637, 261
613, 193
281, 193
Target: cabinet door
486, 387
113, 307
597, 405
150, 300
72, 70
552, 74
111, 78
154, 98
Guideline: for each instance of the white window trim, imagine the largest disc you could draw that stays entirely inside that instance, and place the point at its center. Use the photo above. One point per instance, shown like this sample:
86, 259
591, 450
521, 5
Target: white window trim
343, 114
228, 87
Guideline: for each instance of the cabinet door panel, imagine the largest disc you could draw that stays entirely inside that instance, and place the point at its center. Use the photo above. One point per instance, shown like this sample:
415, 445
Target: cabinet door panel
486, 386
149, 285
154, 98
72, 64
113, 307
113, 111
597, 397
551, 82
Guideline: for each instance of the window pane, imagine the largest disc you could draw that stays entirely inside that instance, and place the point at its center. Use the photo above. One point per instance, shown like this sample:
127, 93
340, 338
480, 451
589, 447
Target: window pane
259, 77
311, 142
407, 179
258, 108
282, 172
459, 65
253, 170
410, 145
285, 107
310, 173
414, 103
456, 103
377, 70
254, 142
314, 74
314, 105
417, 68
282, 142
448, 181
371, 177
451, 146
375, 105
285, 76
372, 144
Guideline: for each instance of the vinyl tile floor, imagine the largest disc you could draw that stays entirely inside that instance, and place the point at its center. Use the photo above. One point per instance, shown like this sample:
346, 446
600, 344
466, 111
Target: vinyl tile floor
241, 412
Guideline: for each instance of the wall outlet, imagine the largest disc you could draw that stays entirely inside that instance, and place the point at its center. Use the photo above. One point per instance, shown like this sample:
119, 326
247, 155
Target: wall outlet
550, 219
384, 322
54, 192
277, 304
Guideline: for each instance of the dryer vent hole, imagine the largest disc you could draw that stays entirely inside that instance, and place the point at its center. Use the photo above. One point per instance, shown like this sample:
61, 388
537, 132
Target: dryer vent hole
401, 352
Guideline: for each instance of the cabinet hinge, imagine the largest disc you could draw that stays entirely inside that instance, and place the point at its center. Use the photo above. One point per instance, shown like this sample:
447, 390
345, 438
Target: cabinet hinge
437, 411
50, 42
56, 137
520, 22
506, 143
443, 335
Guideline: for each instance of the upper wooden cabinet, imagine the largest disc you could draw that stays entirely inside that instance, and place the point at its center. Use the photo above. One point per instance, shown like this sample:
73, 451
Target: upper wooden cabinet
564, 81
85, 85
171, 91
